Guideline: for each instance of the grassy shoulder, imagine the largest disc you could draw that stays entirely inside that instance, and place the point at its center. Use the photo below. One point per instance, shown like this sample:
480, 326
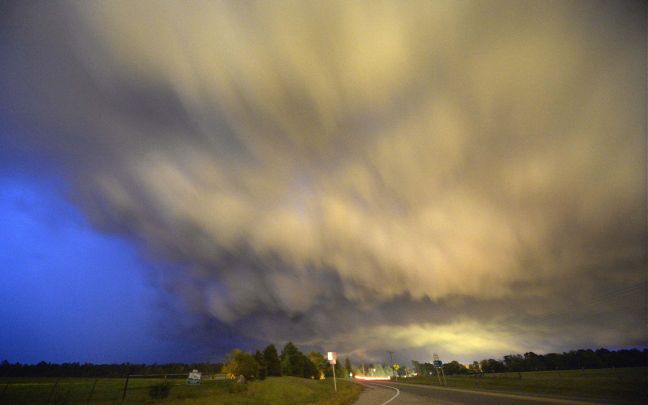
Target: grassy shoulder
274, 390
628, 384
292, 390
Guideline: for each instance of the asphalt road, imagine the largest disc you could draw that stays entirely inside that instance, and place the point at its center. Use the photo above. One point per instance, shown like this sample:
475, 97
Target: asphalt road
390, 393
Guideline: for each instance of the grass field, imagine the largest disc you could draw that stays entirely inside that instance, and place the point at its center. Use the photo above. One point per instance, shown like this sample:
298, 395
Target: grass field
276, 390
627, 384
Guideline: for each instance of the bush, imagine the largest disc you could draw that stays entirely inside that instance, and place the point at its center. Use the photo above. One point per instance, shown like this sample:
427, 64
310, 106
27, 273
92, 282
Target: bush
161, 390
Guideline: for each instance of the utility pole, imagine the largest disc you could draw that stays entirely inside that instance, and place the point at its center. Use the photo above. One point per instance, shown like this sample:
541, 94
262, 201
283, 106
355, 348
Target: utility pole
391, 359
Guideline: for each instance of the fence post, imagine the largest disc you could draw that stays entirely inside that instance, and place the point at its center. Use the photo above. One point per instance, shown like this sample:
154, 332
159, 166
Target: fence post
92, 391
125, 388
52, 391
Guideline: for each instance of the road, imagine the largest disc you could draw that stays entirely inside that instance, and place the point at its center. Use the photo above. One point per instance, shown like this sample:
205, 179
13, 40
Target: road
390, 393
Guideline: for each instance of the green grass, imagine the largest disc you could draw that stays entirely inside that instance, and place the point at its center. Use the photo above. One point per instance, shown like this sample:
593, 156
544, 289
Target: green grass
627, 384
277, 390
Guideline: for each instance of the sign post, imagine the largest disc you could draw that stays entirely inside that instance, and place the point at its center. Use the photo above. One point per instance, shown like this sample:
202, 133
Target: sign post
438, 365
332, 358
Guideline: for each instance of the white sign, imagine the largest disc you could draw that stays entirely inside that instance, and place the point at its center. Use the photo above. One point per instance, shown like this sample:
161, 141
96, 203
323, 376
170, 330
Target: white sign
194, 377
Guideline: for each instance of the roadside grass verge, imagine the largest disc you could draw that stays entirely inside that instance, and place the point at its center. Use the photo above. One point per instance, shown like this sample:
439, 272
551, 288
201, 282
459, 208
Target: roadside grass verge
272, 391
627, 384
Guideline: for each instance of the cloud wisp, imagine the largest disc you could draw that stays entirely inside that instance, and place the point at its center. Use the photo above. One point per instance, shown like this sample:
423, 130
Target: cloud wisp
348, 171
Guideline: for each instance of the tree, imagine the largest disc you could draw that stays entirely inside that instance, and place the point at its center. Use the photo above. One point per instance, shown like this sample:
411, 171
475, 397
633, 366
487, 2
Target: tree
320, 363
454, 368
310, 370
492, 366
241, 363
514, 362
289, 359
534, 362
555, 361
263, 369
295, 363
272, 363
474, 367
347, 366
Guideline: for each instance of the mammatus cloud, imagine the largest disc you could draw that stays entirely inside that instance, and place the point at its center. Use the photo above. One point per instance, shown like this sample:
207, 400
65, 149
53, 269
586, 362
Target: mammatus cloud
463, 176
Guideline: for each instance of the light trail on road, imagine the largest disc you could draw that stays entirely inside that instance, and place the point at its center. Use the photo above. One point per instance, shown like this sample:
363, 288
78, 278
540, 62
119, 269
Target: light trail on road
371, 378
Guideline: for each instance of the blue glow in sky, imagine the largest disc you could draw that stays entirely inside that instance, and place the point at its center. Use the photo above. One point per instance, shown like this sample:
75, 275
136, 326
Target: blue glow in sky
68, 292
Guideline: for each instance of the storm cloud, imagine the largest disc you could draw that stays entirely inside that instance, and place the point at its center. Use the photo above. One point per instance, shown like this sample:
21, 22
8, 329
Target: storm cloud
465, 178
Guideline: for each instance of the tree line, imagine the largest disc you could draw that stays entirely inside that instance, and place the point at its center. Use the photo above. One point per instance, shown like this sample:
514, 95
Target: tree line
572, 360
44, 369
261, 364
290, 362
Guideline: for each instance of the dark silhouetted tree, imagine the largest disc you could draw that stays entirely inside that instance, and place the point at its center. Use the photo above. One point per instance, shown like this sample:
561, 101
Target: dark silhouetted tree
514, 362
319, 361
273, 365
263, 369
347, 366
295, 363
454, 367
289, 359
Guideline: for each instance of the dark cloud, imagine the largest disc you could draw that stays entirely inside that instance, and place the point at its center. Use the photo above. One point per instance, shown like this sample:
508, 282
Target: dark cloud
468, 177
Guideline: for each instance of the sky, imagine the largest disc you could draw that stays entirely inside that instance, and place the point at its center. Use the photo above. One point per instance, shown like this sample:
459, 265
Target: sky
463, 178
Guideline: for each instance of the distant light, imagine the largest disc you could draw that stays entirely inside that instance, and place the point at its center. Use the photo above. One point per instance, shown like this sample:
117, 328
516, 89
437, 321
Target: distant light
369, 378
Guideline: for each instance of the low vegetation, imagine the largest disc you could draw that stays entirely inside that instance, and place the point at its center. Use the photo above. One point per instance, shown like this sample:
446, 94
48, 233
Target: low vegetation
271, 391
629, 384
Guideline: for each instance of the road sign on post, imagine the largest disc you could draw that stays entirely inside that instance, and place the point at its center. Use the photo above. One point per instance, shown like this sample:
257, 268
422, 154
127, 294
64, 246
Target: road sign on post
391, 361
332, 358
438, 364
